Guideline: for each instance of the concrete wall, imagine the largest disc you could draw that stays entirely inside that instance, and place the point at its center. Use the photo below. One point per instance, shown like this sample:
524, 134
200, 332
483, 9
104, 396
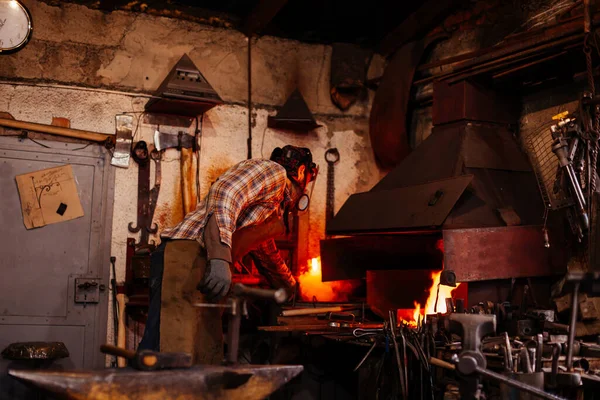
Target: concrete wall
87, 66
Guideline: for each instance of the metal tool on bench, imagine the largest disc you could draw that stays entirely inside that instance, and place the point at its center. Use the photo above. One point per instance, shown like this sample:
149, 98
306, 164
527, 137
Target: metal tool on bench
471, 363
146, 360
236, 306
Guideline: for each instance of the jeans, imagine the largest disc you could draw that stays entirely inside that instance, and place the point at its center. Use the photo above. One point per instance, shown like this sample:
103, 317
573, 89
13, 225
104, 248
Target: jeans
151, 338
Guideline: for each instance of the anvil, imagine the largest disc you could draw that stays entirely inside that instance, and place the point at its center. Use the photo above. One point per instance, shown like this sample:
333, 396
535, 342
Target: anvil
202, 382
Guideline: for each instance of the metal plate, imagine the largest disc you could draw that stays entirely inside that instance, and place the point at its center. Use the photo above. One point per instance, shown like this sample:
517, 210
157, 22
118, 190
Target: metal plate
349, 258
499, 253
492, 146
419, 206
40, 266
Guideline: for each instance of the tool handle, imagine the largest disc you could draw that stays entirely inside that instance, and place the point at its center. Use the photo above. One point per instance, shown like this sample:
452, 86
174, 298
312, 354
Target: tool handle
310, 311
121, 334
279, 295
117, 351
56, 130
441, 363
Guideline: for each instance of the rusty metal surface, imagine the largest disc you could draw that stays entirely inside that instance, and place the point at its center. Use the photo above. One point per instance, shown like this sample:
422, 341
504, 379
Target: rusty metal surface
202, 382
388, 119
499, 253
470, 101
502, 179
349, 258
435, 158
35, 351
348, 74
492, 146
421, 206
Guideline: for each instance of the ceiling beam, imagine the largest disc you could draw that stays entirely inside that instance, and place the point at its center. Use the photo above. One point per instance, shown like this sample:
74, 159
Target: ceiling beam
417, 24
261, 15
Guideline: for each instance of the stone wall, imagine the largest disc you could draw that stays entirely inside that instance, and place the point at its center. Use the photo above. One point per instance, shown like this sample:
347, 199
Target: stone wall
88, 66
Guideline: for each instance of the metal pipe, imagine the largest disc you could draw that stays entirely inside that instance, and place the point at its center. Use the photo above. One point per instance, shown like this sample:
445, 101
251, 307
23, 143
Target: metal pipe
572, 325
508, 351
397, 353
555, 358
233, 332
249, 97
540, 350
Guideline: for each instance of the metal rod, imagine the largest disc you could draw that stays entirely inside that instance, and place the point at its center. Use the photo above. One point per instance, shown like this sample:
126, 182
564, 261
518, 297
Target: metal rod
366, 356
397, 353
233, 332
572, 325
249, 97
540, 350
519, 385
508, 351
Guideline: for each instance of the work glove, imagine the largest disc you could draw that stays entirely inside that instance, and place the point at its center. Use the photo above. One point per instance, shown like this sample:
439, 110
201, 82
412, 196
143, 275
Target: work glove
217, 279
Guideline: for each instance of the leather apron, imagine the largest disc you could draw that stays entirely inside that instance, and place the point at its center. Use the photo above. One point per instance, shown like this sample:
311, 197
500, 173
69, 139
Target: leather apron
198, 330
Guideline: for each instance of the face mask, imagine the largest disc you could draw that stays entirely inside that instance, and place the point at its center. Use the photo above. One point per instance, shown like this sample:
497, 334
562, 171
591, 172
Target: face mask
304, 200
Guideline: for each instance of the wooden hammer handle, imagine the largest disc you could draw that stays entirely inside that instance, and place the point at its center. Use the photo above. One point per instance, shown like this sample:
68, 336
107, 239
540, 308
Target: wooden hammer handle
56, 130
117, 351
122, 334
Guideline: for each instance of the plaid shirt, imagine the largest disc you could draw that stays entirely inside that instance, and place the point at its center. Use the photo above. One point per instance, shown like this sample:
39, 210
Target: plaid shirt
247, 194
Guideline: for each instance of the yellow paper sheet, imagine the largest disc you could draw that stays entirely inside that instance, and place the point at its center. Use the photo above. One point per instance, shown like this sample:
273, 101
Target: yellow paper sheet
48, 196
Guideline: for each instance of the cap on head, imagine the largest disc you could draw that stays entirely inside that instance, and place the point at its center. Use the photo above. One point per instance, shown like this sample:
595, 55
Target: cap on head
292, 157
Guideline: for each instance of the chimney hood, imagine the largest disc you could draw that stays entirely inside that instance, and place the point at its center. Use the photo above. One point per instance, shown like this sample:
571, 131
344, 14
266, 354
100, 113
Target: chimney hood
464, 175
465, 199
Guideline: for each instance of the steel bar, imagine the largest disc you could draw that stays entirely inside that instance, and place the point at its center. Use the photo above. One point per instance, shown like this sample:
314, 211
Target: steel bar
540, 350
206, 382
508, 351
233, 332
519, 385
572, 325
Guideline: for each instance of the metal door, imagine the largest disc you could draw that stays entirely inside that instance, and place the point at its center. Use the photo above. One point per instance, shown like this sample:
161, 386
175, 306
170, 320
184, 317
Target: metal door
41, 268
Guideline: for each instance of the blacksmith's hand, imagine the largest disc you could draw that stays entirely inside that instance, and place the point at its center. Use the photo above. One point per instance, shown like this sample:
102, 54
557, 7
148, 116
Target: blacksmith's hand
217, 279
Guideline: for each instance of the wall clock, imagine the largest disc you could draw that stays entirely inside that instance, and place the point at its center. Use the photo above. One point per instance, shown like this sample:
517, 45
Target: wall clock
15, 26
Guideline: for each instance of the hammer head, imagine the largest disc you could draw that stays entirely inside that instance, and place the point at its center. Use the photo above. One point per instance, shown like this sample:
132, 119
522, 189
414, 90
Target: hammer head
164, 141
147, 360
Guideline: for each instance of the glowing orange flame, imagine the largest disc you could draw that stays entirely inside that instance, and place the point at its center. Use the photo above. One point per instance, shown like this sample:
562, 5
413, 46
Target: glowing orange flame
312, 286
411, 317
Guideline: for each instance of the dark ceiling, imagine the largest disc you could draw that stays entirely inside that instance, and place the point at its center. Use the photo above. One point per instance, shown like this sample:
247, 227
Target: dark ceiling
363, 23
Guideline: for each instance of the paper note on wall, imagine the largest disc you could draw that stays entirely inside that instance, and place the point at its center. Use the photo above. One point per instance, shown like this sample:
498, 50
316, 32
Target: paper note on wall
48, 196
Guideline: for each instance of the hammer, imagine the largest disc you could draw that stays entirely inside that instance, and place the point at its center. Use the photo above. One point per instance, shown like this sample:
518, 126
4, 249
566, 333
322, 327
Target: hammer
147, 360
